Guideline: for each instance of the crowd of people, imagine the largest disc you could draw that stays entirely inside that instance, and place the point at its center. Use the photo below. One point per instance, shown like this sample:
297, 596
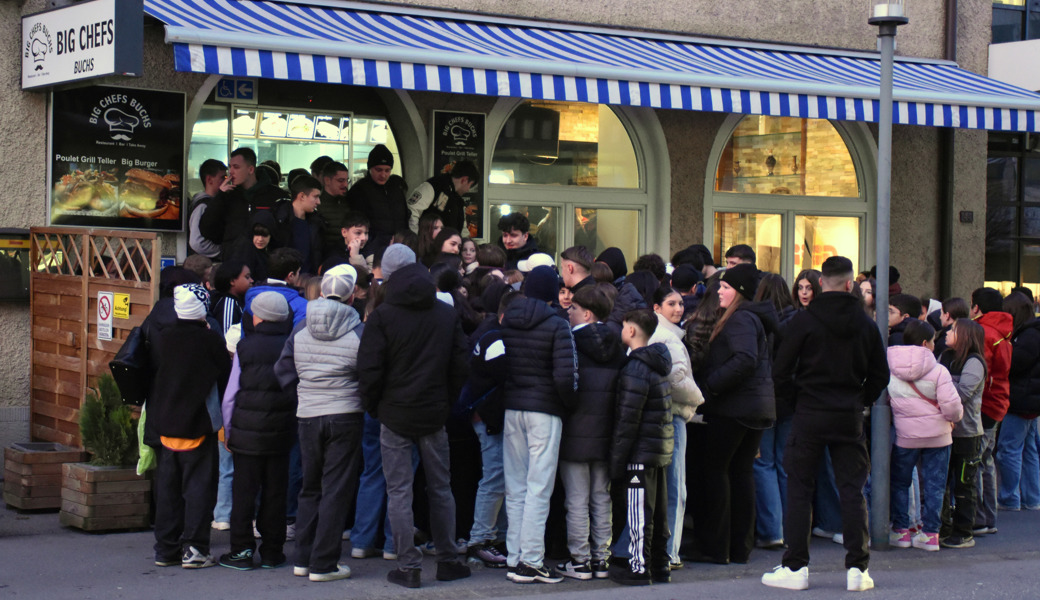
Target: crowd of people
409, 390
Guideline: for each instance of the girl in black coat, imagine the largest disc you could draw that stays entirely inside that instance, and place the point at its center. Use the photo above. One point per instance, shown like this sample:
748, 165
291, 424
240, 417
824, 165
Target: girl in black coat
736, 379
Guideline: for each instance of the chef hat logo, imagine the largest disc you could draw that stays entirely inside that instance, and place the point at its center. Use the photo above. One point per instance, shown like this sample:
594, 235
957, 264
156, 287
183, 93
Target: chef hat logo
120, 124
461, 133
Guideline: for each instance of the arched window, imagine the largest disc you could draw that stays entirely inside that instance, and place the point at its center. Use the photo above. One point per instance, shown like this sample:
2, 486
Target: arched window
576, 170
793, 189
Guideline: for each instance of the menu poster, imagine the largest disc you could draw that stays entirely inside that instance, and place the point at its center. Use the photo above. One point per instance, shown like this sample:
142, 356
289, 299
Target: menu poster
460, 136
117, 158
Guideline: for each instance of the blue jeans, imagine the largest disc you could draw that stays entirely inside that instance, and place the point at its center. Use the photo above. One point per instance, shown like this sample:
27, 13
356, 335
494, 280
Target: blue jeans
1018, 463
675, 480
934, 466
488, 516
295, 480
827, 506
222, 511
771, 483
531, 445
371, 496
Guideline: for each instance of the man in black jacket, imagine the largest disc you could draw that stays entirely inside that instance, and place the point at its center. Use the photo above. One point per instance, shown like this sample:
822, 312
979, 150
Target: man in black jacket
832, 361
227, 217
516, 239
300, 226
642, 447
193, 367
442, 194
259, 419
541, 381
411, 362
335, 178
381, 197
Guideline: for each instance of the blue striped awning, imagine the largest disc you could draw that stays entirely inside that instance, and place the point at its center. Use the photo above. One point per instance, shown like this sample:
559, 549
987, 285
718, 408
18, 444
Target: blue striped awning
390, 47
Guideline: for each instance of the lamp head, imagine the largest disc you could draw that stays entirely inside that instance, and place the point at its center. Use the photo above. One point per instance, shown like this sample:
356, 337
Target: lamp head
888, 12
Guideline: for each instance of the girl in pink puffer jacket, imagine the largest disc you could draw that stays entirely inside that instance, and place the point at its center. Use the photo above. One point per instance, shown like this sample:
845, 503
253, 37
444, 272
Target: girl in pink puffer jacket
925, 405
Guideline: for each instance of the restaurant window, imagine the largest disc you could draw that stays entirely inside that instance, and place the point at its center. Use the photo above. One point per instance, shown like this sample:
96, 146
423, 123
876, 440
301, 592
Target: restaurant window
292, 138
790, 189
581, 163
1013, 212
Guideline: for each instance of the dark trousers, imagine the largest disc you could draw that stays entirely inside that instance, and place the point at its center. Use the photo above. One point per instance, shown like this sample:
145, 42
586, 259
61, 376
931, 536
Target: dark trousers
961, 499
268, 476
330, 450
721, 483
646, 503
400, 475
185, 493
843, 434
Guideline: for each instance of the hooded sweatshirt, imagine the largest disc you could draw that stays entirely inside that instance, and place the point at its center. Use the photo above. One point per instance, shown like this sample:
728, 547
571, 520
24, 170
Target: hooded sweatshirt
997, 326
322, 354
831, 359
414, 358
924, 400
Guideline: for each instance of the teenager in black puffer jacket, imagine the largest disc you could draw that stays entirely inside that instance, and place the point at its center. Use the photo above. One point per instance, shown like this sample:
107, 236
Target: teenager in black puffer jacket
736, 379
1016, 453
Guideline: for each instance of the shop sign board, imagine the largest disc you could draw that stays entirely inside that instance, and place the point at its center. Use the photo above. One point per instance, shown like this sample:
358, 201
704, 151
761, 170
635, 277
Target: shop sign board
104, 315
82, 41
460, 136
116, 158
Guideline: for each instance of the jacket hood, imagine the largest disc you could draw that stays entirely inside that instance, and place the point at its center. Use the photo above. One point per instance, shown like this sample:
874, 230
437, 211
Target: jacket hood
910, 363
836, 310
262, 217
527, 313
654, 356
999, 321
1034, 324
330, 320
598, 342
765, 311
411, 286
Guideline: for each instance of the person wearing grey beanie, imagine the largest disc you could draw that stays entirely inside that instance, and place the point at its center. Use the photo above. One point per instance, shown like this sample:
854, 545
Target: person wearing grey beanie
395, 257
270, 306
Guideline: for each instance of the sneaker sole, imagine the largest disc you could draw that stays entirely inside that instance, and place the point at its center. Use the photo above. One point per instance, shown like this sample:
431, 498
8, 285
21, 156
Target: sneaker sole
788, 586
575, 575
323, 577
301, 571
236, 567
205, 565
600, 574
901, 544
860, 588
273, 565
525, 579
167, 563
970, 544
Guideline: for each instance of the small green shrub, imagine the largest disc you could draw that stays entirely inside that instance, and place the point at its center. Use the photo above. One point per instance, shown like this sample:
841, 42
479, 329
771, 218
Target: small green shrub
107, 427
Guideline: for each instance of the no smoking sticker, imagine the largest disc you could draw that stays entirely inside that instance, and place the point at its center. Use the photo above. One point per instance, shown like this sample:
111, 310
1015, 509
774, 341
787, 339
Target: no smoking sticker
104, 315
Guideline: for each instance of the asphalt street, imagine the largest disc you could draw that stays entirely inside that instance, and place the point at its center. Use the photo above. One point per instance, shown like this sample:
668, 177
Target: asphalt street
40, 559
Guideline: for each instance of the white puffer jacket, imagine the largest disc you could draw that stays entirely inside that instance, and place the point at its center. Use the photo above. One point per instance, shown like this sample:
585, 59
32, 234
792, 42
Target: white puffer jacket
686, 396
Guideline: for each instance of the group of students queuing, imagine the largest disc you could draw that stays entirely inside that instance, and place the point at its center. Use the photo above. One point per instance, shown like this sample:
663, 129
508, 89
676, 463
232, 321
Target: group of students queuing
658, 417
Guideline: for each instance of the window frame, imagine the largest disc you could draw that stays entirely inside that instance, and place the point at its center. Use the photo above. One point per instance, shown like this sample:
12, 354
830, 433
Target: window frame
862, 149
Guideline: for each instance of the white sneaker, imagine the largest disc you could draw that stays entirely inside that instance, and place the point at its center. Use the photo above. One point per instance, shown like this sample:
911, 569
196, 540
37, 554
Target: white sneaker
341, 572
346, 535
220, 525
301, 571
859, 581
783, 577
839, 538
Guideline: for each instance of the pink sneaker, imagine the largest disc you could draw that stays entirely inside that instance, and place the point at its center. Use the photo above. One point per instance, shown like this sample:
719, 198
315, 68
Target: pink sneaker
926, 541
900, 538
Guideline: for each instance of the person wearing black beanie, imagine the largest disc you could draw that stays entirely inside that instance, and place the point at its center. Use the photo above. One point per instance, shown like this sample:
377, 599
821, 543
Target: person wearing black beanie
382, 197
615, 259
742, 277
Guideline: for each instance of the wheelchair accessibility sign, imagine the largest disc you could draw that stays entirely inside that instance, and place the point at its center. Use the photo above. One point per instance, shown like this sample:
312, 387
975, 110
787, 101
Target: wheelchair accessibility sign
234, 89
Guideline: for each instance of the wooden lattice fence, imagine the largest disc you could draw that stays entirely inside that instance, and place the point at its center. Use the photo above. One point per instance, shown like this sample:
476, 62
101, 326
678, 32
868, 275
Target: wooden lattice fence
70, 266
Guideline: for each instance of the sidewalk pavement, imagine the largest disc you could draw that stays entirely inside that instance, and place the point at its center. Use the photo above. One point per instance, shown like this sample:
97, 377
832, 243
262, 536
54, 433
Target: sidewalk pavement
43, 560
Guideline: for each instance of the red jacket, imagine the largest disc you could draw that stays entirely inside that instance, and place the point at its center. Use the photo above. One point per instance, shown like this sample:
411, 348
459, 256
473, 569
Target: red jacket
995, 396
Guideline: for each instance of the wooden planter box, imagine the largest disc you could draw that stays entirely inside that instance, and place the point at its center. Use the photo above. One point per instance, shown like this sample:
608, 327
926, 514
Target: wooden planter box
32, 474
97, 498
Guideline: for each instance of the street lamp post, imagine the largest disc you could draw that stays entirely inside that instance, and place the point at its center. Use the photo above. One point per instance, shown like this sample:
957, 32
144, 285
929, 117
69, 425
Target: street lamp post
887, 15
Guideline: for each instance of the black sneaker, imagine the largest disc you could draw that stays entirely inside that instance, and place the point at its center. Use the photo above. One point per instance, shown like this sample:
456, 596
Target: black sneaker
575, 570
409, 578
626, 576
452, 570
525, 573
274, 561
661, 575
957, 542
241, 560
600, 569
487, 554
167, 561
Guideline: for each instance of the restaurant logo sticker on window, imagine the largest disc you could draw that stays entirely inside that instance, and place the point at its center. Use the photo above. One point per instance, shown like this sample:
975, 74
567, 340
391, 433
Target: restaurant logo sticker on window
117, 156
